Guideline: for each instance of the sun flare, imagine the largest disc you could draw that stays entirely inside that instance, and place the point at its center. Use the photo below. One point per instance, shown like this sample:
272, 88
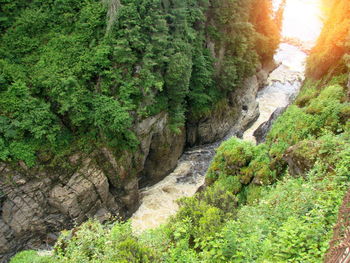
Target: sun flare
302, 20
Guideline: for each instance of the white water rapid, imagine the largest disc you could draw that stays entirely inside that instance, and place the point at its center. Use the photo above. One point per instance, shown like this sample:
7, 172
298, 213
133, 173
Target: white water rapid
158, 202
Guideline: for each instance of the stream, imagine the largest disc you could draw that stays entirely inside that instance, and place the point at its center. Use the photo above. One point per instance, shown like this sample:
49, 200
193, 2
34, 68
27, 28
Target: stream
158, 202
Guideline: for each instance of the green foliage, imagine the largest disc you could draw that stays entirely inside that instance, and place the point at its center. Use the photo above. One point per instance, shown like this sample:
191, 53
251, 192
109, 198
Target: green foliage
291, 223
30, 256
252, 210
235, 35
267, 30
240, 218
202, 93
93, 242
243, 162
68, 75
177, 80
307, 93
329, 56
324, 112
25, 123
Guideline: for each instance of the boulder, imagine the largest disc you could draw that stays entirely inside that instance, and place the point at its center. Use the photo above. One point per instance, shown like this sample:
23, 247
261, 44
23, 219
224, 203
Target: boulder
301, 157
261, 132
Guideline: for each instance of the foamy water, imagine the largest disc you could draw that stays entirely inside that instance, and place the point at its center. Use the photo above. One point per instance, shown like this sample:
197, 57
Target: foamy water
283, 84
158, 202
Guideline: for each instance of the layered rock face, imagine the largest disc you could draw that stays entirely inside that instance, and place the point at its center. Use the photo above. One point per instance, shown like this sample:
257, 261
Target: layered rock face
39, 202
37, 206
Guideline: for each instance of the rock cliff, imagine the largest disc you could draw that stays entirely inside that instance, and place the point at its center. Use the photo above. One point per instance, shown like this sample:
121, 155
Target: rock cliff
37, 203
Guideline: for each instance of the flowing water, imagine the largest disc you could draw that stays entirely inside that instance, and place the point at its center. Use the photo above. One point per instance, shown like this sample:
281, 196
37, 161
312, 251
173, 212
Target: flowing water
158, 202
283, 85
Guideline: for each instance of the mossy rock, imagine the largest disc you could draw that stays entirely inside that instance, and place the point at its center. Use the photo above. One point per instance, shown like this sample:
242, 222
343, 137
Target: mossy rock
253, 193
301, 157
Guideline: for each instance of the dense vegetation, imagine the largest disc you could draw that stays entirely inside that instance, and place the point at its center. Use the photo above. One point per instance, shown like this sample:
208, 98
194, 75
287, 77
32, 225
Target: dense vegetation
275, 202
331, 50
258, 207
78, 73
255, 209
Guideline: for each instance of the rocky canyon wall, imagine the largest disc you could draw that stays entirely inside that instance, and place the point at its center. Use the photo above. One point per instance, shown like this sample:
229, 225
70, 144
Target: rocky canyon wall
37, 203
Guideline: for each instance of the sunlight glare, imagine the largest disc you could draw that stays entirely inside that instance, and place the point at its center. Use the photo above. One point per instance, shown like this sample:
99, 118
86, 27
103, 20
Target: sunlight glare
302, 20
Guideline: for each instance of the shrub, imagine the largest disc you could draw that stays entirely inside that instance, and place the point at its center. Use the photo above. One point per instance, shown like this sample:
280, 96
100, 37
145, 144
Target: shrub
30, 256
292, 222
93, 242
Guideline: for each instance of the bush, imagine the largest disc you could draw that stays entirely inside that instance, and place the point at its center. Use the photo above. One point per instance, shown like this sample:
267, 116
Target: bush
30, 256
323, 112
93, 242
238, 163
332, 44
292, 222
